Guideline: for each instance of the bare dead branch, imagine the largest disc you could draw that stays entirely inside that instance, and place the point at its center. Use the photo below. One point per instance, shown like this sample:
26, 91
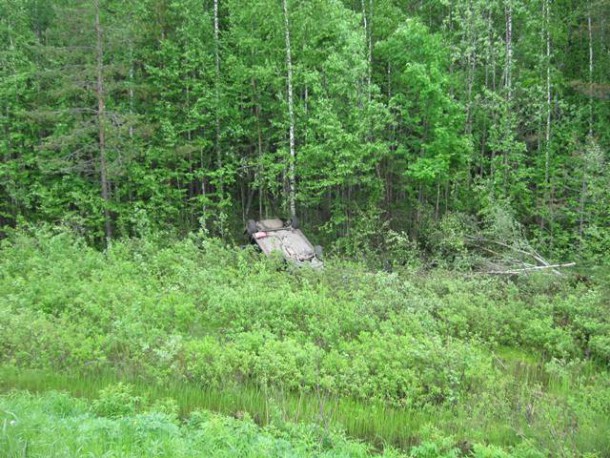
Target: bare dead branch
528, 269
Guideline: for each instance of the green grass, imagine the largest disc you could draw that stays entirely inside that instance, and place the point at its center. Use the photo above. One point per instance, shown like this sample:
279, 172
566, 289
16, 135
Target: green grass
374, 422
57, 425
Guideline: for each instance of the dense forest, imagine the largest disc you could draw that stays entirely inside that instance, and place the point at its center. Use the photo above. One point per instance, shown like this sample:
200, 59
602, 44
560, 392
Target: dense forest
364, 117
452, 157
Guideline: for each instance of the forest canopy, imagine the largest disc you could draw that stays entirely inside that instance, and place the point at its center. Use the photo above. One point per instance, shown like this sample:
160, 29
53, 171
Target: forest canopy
361, 116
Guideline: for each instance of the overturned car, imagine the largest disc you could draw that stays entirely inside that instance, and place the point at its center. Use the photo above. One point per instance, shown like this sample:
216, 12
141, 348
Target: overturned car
285, 237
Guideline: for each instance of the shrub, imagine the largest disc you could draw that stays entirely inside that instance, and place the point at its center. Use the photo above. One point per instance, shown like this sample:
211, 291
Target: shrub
117, 401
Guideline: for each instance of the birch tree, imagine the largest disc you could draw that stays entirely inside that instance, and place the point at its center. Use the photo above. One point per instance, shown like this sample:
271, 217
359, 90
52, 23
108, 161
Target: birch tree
291, 135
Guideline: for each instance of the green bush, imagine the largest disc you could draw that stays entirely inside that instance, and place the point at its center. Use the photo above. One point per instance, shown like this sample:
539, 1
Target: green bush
34, 426
223, 318
117, 401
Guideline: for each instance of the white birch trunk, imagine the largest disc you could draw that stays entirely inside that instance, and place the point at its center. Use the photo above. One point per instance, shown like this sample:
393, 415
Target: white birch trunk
292, 159
508, 71
369, 41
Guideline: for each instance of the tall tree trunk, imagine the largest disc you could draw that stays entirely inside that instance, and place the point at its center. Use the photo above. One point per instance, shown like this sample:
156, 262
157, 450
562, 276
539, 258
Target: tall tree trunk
547, 130
131, 84
491, 83
585, 175
584, 189
590, 30
470, 61
101, 114
292, 159
260, 171
508, 69
219, 161
204, 207
368, 36
508, 85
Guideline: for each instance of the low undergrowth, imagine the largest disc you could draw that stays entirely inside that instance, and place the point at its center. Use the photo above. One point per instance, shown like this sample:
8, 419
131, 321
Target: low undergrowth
480, 360
119, 424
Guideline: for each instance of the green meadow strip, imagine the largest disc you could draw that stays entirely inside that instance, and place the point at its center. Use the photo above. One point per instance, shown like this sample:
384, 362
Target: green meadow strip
374, 422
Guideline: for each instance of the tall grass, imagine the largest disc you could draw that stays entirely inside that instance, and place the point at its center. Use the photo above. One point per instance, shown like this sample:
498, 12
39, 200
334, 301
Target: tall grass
375, 422
57, 425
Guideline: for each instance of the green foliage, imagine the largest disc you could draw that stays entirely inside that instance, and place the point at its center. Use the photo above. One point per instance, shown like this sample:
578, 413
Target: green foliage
430, 145
406, 112
32, 426
446, 241
421, 129
116, 401
224, 319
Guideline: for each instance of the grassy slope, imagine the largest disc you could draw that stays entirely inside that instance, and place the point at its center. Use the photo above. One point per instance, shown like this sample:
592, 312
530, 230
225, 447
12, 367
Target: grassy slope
399, 358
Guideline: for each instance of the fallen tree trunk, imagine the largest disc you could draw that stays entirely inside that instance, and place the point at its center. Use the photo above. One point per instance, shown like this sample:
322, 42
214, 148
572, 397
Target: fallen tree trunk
521, 251
529, 269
